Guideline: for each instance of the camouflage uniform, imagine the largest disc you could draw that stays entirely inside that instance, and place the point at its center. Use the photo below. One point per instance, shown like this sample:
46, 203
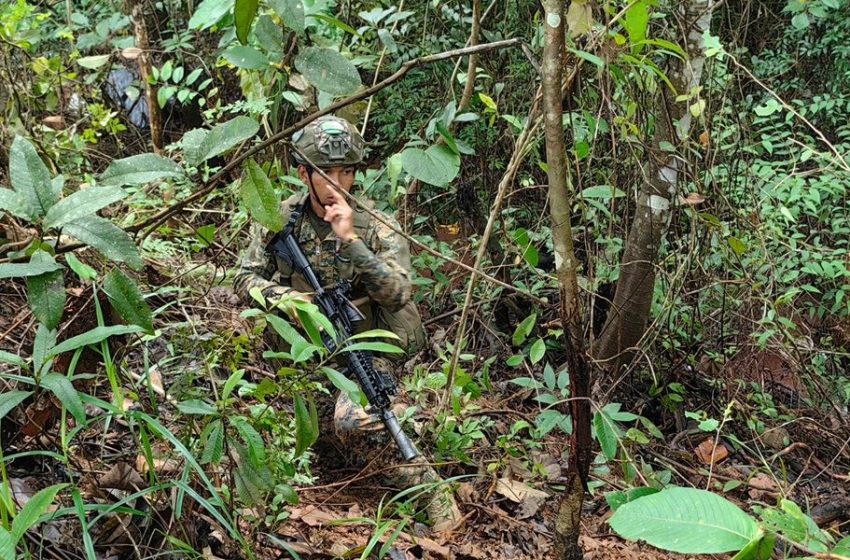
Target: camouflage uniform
377, 262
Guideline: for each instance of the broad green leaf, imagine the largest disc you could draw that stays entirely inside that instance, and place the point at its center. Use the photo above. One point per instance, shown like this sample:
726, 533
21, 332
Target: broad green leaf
46, 292
328, 70
15, 204
94, 336
82, 203
344, 384
33, 509
7, 545
606, 434
231, 383
686, 520
197, 407
64, 390
286, 331
800, 21
243, 56
374, 333
333, 22
760, 548
437, 165
538, 350
112, 241
10, 399
16, 270
225, 136
125, 296
737, 245
84, 271
270, 36
768, 108
139, 169
591, 58
605, 192
244, 12
306, 431
213, 438
387, 39
9, 358
260, 198
291, 12
30, 177
524, 329
93, 62
636, 21
620, 498
45, 341
191, 143
842, 547
208, 13
373, 347
251, 437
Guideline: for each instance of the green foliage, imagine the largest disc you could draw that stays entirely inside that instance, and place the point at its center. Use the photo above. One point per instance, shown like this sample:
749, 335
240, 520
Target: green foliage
260, 198
125, 296
328, 70
687, 521
692, 521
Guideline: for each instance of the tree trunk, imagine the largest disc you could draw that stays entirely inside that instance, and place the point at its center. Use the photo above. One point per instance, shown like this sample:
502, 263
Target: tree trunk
568, 522
137, 14
627, 319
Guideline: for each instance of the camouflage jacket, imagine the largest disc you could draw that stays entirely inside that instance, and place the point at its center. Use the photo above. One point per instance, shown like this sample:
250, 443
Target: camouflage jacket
377, 264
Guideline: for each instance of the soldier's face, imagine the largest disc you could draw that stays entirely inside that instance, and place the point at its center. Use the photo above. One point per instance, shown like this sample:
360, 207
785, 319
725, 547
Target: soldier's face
320, 193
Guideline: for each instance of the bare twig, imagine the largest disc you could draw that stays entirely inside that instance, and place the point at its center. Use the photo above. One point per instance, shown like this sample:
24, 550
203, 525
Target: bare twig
157, 219
377, 216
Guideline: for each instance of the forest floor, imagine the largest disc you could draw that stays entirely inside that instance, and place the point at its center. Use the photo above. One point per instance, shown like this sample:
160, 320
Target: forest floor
509, 512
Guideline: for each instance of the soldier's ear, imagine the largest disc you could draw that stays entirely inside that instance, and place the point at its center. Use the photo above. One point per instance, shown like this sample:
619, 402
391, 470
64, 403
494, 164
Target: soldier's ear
303, 173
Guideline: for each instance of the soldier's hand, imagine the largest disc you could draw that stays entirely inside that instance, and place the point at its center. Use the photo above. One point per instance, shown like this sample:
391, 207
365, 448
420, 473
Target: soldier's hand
340, 216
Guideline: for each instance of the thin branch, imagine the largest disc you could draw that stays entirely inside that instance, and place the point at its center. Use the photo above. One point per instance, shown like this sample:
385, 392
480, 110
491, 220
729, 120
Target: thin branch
787, 106
469, 86
377, 73
157, 219
474, 270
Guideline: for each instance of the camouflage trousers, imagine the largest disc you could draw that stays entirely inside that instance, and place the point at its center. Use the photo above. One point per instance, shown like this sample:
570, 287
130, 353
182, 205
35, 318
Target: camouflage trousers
356, 428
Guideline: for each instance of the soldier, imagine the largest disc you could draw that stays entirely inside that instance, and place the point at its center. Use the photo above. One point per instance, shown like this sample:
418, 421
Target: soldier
342, 242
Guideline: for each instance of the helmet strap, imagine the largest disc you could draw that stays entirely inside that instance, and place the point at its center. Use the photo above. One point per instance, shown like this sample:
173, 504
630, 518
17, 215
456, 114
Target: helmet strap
310, 185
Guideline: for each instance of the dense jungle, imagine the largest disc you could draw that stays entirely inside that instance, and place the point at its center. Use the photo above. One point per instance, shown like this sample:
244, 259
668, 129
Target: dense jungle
628, 230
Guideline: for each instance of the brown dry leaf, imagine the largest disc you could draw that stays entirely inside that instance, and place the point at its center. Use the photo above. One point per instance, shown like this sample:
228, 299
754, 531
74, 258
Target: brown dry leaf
313, 516
156, 381
131, 53
431, 546
122, 477
692, 199
298, 82
39, 414
764, 482
471, 550
56, 122
160, 466
466, 492
529, 499
707, 454
21, 491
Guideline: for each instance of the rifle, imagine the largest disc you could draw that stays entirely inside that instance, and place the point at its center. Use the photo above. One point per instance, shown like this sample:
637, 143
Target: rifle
334, 303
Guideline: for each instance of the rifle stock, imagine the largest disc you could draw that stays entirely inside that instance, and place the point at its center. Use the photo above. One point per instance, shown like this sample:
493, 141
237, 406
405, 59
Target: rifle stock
378, 387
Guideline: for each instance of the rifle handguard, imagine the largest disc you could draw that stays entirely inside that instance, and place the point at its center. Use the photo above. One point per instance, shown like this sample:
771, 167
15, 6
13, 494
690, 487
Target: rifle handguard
334, 303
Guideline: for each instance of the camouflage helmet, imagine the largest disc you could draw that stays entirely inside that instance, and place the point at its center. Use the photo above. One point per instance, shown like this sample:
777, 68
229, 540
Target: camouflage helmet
328, 141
